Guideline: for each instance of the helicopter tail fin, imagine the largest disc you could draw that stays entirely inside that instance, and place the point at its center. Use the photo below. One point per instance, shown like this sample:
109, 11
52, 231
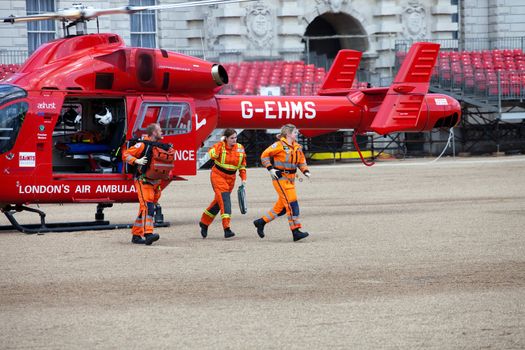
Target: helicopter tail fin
341, 75
402, 105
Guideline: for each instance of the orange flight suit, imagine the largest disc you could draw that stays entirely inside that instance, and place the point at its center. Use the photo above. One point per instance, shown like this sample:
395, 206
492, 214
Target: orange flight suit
148, 191
285, 158
227, 161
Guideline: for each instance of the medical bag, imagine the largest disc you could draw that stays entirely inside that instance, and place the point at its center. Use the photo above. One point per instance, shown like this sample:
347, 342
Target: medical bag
160, 163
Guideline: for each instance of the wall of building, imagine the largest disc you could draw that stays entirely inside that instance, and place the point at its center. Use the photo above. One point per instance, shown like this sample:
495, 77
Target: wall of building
276, 28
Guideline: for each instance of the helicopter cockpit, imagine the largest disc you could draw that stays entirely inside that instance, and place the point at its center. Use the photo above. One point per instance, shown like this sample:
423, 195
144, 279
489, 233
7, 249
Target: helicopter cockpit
12, 115
88, 136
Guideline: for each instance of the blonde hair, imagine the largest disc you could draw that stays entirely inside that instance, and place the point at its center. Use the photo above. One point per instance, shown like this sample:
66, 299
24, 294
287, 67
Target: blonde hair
150, 129
285, 130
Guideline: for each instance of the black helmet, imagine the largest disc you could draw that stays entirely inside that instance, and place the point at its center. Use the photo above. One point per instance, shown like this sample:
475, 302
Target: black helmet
71, 117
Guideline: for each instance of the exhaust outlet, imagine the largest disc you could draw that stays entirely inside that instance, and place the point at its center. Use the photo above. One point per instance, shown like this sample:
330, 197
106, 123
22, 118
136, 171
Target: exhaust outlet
218, 72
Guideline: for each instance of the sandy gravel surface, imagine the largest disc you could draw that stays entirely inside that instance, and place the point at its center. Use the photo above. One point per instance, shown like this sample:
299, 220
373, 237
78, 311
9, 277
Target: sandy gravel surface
403, 255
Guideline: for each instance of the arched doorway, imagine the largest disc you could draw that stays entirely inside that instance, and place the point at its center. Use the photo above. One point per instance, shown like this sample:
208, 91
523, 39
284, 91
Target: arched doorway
329, 24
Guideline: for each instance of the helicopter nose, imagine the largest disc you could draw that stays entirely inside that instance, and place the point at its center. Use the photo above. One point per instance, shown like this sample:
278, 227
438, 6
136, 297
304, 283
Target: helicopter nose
219, 74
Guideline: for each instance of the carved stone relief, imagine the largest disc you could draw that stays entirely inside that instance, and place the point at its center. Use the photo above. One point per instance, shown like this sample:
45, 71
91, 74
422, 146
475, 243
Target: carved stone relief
414, 19
334, 5
211, 37
260, 25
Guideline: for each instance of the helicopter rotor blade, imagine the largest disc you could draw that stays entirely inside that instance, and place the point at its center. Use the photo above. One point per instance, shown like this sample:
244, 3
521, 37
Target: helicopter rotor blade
191, 4
30, 18
134, 9
88, 13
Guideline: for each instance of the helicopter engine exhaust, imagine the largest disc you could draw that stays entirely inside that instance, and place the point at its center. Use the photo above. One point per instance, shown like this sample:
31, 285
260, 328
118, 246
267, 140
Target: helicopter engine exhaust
219, 74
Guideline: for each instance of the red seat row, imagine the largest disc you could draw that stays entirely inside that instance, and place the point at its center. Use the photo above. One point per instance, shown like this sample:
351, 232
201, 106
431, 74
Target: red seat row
7, 69
477, 71
294, 77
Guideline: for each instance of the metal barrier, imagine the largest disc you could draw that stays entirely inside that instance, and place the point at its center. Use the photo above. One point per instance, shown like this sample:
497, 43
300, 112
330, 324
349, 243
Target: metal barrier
468, 44
13, 56
238, 55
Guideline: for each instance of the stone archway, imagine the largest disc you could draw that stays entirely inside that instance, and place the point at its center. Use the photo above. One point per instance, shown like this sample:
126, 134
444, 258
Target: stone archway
329, 24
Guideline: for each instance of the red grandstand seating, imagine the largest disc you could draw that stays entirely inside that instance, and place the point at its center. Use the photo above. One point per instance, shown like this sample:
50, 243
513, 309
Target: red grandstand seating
478, 71
294, 77
7, 69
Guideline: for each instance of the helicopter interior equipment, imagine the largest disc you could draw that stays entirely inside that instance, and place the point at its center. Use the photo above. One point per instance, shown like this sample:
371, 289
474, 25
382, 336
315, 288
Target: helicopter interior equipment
66, 114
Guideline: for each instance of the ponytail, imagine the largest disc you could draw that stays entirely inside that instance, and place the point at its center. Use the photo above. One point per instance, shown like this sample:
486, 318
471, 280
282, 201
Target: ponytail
227, 133
286, 129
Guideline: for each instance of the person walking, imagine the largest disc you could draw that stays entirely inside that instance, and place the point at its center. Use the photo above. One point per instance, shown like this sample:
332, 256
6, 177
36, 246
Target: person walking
281, 160
148, 190
229, 157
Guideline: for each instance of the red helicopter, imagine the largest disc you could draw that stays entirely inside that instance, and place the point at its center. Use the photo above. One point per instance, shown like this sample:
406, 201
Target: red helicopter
70, 108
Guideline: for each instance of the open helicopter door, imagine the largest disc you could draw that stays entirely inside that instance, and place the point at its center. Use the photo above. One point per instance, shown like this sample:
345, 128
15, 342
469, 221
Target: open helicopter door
175, 116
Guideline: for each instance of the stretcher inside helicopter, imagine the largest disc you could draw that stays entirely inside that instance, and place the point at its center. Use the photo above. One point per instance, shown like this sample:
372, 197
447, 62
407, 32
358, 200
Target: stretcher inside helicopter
88, 135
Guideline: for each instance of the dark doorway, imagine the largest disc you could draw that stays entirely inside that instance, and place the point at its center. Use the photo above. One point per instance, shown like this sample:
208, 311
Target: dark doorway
329, 24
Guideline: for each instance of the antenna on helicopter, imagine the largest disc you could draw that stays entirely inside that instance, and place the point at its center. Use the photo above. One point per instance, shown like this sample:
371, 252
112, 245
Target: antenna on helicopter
78, 15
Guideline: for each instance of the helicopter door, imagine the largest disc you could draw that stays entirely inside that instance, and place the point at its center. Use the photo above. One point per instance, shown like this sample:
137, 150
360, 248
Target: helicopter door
175, 119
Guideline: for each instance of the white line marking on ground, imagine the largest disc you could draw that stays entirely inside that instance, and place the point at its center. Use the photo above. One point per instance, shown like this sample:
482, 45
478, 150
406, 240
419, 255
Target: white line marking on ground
447, 162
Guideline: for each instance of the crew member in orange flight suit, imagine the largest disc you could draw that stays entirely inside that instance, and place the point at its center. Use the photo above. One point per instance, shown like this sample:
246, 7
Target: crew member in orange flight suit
282, 159
148, 190
229, 156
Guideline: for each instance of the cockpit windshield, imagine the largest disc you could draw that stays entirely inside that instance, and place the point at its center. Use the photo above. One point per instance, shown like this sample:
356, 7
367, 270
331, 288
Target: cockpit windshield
11, 115
10, 92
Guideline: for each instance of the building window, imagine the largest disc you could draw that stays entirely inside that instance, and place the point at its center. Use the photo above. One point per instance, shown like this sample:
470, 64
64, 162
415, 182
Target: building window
455, 18
39, 32
143, 25
453, 2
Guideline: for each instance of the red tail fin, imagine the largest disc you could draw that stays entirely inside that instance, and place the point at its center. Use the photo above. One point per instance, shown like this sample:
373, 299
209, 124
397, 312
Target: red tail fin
341, 75
402, 104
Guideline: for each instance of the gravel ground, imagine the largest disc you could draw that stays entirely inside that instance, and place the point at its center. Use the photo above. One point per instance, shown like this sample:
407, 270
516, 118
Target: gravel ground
402, 255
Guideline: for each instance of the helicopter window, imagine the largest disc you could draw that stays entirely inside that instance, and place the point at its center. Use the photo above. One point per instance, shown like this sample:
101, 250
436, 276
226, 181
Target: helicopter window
10, 92
174, 118
11, 118
151, 116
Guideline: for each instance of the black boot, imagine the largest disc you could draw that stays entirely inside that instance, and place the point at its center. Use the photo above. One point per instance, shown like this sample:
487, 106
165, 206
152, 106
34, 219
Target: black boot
297, 234
150, 238
204, 230
137, 239
228, 233
259, 223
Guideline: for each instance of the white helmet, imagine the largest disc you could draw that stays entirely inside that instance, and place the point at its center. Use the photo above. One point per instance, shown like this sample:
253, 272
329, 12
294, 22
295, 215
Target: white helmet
105, 118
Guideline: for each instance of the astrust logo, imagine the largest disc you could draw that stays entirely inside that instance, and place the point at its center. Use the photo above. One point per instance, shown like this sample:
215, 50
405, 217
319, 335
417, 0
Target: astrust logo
45, 105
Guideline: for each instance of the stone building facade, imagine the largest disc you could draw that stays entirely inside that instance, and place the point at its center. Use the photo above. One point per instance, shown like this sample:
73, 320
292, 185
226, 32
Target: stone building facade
285, 28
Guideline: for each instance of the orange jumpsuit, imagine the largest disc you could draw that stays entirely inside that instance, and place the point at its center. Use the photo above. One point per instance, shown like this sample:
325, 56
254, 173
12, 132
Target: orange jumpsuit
227, 161
285, 158
148, 191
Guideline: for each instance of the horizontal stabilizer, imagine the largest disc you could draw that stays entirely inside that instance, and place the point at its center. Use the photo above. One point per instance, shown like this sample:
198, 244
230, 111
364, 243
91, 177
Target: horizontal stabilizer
403, 102
341, 75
